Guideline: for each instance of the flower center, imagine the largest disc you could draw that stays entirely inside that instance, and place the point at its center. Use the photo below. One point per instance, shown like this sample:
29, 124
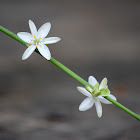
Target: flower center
37, 41
95, 91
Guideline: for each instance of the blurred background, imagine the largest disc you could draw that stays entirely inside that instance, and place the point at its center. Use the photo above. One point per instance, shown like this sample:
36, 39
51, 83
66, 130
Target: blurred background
38, 101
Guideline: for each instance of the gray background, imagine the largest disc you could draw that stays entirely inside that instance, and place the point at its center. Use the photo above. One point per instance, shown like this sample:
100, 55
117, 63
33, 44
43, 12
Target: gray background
38, 101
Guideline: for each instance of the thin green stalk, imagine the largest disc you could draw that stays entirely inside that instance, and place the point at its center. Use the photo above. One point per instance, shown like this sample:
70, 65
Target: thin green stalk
68, 71
71, 73
14, 36
124, 108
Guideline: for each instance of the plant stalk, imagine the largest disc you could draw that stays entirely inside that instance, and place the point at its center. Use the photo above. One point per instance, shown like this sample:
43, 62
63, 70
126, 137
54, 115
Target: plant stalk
71, 73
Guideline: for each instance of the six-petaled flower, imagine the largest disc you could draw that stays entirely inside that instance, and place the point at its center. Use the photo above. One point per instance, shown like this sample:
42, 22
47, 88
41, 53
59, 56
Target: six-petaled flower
95, 95
37, 40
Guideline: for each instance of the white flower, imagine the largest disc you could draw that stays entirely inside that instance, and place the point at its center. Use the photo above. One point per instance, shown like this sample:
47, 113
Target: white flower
37, 40
95, 95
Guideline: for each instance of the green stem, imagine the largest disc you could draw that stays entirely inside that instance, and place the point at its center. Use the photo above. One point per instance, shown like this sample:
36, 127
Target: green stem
14, 36
68, 71
124, 108
71, 73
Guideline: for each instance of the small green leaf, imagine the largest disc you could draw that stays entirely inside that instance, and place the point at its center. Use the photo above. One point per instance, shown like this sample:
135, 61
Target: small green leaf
104, 92
96, 87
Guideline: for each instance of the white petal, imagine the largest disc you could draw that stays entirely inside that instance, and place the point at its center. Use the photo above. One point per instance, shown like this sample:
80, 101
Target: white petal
92, 80
32, 28
84, 91
86, 104
51, 40
103, 100
44, 51
28, 52
98, 107
112, 96
103, 83
27, 37
44, 30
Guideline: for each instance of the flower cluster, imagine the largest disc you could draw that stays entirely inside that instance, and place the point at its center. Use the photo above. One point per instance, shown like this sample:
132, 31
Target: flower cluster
95, 95
37, 40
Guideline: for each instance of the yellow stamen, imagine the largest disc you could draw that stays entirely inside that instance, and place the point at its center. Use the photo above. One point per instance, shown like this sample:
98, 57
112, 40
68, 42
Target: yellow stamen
43, 41
36, 45
34, 36
40, 45
40, 38
31, 40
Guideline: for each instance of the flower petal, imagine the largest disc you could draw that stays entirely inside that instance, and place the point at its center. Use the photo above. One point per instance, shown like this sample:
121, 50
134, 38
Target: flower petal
32, 28
44, 51
112, 96
92, 80
44, 30
86, 104
103, 100
27, 37
28, 52
84, 91
98, 107
103, 83
51, 40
